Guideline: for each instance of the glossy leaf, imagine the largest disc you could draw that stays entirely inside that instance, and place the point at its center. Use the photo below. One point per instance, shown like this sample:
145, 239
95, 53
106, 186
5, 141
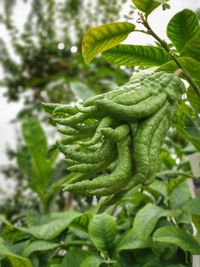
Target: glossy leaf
178, 237
102, 231
159, 186
192, 48
129, 242
179, 195
14, 259
136, 55
39, 245
92, 261
74, 257
50, 230
191, 213
146, 220
101, 38
182, 28
190, 64
147, 6
81, 222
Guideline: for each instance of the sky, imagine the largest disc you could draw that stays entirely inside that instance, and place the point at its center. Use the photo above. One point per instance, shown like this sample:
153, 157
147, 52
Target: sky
158, 21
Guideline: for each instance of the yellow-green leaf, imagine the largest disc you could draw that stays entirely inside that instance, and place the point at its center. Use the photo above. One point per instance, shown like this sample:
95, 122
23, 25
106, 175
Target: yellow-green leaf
147, 6
101, 38
136, 55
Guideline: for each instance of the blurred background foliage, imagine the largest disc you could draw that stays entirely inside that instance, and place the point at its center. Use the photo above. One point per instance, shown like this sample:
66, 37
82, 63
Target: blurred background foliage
48, 61
43, 63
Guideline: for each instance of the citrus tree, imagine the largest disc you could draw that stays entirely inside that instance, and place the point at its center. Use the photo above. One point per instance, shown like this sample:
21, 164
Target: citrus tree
126, 153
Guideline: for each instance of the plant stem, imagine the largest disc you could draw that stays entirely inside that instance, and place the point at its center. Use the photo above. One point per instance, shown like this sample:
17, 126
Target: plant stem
163, 43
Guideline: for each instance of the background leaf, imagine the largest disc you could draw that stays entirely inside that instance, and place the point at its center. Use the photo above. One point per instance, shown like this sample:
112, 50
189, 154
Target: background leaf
139, 55
183, 27
34, 136
101, 38
39, 245
38, 167
15, 260
52, 228
81, 90
178, 237
146, 220
102, 231
92, 261
74, 257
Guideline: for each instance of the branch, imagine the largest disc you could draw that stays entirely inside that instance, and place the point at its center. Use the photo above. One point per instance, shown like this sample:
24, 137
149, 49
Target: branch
143, 20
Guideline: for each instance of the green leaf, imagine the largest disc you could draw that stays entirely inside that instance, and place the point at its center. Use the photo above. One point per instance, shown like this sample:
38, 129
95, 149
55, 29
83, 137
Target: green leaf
129, 242
101, 38
136, 55
178, 237
182, 28
81, 222
53, 228
39, 168
147, 6
193, 206
193, 68
163, 250
186, 120
81, 90
193, 98
191, 65
179, 195
39, 245
159, 186
34, 136
74, 257
14, 259
102, 231
24, 162
92, 261
146, 220
4, 220
192, 48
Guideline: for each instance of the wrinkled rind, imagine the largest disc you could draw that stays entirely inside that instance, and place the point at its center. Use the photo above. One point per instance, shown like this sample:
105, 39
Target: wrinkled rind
112, 141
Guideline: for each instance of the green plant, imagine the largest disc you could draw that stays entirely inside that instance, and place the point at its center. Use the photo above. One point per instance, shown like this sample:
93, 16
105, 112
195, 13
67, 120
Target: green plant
150, 219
